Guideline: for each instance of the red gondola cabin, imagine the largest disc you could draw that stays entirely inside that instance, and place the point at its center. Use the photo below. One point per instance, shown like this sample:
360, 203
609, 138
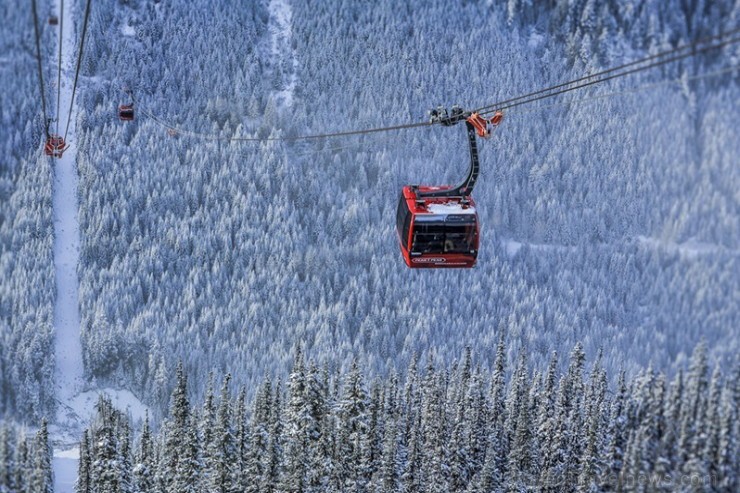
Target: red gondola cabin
126, 112
55, 146
53, 20
438, 226
436, 231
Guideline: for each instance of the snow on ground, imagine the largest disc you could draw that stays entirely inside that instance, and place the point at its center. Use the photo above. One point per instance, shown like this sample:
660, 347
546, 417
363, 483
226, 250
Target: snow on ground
283, 54
68, 349
65, 436
83, 405
512, 247
65, 474
450, 208
688, 250
128, 30
69, 376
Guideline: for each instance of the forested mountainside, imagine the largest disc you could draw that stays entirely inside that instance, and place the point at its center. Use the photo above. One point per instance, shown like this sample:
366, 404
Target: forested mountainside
612, 221
26, 231
438, 429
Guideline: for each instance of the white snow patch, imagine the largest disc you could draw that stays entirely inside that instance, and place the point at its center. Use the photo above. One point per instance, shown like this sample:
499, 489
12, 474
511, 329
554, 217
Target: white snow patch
68, 371
283, 55
535, 39
69, 375
689, 250
512, 247
128, 30
450, 208
65, 474
83, 405
72, 453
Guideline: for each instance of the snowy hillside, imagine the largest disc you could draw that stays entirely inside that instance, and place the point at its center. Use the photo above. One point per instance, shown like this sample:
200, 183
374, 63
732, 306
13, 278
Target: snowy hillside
226, 254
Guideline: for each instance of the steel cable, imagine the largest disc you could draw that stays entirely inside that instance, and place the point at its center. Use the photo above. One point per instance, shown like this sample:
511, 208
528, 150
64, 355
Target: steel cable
41, 72
77, 70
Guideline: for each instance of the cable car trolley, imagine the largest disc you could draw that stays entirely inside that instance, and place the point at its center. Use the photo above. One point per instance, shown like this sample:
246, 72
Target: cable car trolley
437, 226
55, 146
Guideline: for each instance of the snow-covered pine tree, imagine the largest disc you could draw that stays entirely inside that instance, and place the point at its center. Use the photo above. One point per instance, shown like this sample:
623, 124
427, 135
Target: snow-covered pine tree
617, 438
476, 423
459, 462
389, 471
546, 415
241, 441
728, 475
23, 463
144, 464
592, 461
274, 463
353, 428
259, 439
518, 428
41, 480
84, 465
222, 449
435, 467
712, 426
206, 422
668, 458
296, 422
182, 471
318, 446
691, 440
106, 468
123, 433
7, 461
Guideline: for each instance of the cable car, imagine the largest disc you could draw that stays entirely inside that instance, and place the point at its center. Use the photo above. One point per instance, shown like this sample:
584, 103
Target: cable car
436, 231
53, 20
437, 226
126, 112
55, 146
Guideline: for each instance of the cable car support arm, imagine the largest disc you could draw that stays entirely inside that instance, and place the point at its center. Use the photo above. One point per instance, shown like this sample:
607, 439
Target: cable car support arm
475, 125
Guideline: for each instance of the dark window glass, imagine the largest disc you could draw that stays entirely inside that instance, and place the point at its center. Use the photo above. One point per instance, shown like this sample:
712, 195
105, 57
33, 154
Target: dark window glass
428, 237
459, 238
439, 237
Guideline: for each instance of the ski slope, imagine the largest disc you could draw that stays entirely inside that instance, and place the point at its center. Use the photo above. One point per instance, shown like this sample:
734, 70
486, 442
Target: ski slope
282, 51
68, 348
69, 369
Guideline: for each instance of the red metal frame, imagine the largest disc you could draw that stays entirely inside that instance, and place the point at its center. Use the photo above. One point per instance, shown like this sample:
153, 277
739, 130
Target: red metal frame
480, 124
55, 146
419, 206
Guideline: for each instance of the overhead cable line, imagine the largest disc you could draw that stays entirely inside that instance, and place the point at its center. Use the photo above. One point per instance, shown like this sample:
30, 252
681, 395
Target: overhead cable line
41, 72
59, 66
77, 70
549, 92
694, 44
614, 76
625, 92
205, 136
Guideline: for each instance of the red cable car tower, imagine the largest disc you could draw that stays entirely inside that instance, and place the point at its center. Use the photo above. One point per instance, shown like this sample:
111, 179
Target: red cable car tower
437, 226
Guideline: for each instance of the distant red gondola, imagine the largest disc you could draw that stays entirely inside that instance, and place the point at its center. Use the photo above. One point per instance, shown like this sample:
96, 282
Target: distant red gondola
126, 112
53, 20
438, 227
55, 146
